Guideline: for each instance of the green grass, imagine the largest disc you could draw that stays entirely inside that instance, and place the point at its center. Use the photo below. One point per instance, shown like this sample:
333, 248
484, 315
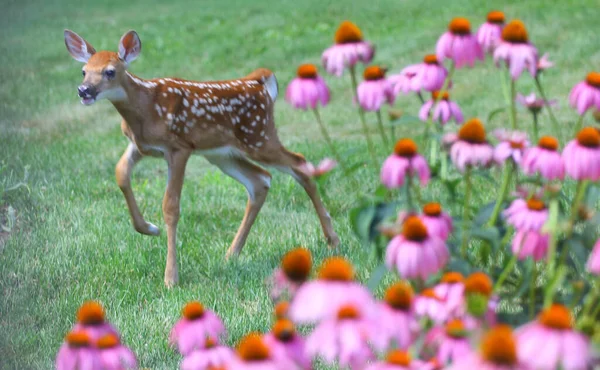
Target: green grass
73, 240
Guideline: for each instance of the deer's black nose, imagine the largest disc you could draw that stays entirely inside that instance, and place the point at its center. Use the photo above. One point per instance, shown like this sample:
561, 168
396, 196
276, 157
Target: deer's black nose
84, 91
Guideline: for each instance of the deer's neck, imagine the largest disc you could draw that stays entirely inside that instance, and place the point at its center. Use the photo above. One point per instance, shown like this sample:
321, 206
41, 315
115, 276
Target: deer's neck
137, 100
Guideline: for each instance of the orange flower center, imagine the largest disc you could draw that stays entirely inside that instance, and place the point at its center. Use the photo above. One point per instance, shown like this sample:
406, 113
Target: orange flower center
210, 343
453, 277
398, 357
430, 293
108, 341
436, 95
399, 296
432, 209
405, 148
499, 347
472, 132
284, 330
478, 282
336, 269
373, 73
589, 137
193, 310
91, 313
515, 32
281, 309
414, 229
77, 339
252, 348
535, 204
348, 32
460, 26
456, 329
430, 59
593, 78
549, 143
307, 71
556, 317
517, 144
296, 264
496, 17
348, 312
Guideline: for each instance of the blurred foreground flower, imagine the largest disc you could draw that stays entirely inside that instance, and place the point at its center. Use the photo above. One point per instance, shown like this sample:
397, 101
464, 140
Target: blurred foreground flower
399, 360
586, 94
114, 355
349, 49
438, 222
295, 268
405, 161
428, 75
470, 147
582, 155
197, 324
284, 339
91, 319
488, 35
516, 50
459, 45
544, 159
593, 264
254, 354
210, 356
374, 90
528, 218
512, 146
77, 353
444, 110
396, 311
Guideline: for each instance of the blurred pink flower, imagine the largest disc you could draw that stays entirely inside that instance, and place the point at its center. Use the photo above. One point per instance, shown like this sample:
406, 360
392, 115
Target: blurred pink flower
77, 353
114, 355
533, 103
544, 159
254, 354
429, 304
550, 342
212, 355
512, 146
284, 340
471, 147
528, 218
458, 44
586, 94
399, 360
488, 35
405, 161
325, 166
333, 287
374, 90
454, 342
544, 63
407, 80
582, 155
308, 89
438, 223
416, 253
396, 311
346, 338
295, 267
480, 286
349, 49
91, 319
593, 264
451, 291
197, 324
444, 110
516, 51
428, 75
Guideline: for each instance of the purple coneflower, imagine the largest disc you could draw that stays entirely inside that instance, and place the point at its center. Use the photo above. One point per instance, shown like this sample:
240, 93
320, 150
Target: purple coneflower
516, 51
349, 49
544, 159
444, 110
528, 218
458, 44
197, 324
582, 155
586, 94
307, 89
489, 34
405, 161
471, 148
512, 146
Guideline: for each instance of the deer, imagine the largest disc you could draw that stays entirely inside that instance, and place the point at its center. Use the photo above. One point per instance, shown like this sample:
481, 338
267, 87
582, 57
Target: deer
229, 122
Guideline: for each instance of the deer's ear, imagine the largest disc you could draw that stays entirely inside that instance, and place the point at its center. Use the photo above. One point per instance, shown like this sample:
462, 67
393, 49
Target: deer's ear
130, 47
79, 49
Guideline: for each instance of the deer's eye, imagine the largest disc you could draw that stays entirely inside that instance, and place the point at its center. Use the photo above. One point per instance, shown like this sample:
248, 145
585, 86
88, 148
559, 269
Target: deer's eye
109, 73
83, 73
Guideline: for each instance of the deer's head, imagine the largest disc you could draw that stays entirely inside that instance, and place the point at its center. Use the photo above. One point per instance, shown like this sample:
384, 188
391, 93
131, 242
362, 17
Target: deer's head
104, 71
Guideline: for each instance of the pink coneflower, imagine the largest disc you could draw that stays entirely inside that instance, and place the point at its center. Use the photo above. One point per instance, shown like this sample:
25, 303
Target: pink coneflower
308, 89
396, 311
451, 291
405, 161
512, 146
489, 34
544, 159
294, 270
437, 222
399, 360
281, 310
593, 263
533, 103
586, 94
544, 63
516, 51
428, 75
444, 110
334, 286
349, 49
429, 304
91, 319
480, 303
458, 44
454, 343
550, 342
325, 166
346, 339
471, 147
374, 90
582, 155
114, 355
191, 331
283, 339
254, 354
498, 352
416, 253
212, 355
77, 353
407, 80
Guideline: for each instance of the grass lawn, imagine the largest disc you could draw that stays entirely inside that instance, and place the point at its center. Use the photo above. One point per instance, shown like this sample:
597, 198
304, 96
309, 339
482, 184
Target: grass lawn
73, 240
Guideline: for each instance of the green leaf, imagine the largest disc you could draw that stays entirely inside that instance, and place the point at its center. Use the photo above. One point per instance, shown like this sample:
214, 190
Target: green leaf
361, 219
376, 277
459, 265
495, 112
484, 214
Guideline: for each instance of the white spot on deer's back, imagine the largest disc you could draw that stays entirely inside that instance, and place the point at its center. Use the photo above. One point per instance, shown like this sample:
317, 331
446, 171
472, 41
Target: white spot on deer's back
186, 103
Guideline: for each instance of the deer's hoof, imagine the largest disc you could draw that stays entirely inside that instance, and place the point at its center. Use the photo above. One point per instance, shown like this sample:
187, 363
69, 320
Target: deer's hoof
171, 281
147, 229
333, 241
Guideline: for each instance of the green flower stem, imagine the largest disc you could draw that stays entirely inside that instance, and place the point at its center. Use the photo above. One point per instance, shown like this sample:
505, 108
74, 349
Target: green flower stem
547, 104
382, 130
504, 274
420, 96
506, 177
408, 186
532, 292
578, 124
328, 138
465, 223
361, 113
551, 227
513, 106
535, 128
579, 195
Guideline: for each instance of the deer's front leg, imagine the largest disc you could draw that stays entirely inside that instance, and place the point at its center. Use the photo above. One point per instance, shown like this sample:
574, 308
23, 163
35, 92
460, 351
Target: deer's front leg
123, 172
177, 161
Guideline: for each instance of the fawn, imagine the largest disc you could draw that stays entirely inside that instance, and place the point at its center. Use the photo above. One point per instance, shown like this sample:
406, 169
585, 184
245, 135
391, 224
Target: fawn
230, 123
